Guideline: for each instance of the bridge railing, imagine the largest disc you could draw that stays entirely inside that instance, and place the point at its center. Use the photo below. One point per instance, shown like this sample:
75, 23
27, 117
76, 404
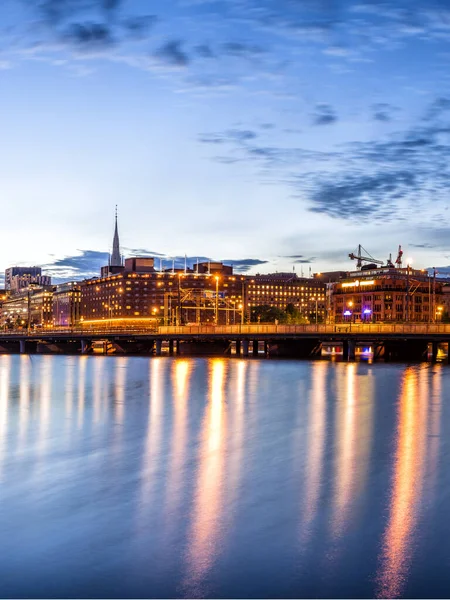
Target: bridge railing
230, 330
400, 328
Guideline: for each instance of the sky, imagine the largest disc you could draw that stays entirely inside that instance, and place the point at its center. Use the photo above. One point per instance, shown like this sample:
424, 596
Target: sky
274, 134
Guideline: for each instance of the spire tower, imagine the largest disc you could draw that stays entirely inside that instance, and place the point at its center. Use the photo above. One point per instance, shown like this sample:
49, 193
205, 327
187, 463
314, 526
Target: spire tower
116, 259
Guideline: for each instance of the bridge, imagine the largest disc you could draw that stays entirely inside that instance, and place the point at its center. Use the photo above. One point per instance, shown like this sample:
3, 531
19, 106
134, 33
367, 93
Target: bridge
409, 341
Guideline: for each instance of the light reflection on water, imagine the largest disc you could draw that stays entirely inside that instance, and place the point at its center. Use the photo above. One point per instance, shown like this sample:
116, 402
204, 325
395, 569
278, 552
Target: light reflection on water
222, 477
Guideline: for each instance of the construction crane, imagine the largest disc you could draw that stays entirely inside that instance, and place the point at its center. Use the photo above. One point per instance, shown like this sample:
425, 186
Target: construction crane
364, 258
398, 261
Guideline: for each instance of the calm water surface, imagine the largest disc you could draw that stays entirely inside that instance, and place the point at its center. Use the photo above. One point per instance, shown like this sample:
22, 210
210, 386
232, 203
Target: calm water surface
136, 477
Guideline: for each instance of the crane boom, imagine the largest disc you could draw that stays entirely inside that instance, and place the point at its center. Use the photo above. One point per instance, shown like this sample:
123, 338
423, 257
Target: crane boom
360, 257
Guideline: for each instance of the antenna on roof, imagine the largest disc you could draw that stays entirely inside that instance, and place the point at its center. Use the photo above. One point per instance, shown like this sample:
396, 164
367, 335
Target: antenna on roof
185, 263
173, 265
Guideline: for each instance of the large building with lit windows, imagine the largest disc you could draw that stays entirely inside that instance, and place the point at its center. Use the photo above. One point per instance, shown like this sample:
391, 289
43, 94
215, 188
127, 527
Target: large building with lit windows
307, 295
140, 292
387, 295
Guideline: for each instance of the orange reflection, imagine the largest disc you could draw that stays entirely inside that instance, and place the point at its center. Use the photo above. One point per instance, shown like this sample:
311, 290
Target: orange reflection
346, 435
119, 387
315, 445
97, 388
154, 427
236, 434
207, 511
407, 488
181, 374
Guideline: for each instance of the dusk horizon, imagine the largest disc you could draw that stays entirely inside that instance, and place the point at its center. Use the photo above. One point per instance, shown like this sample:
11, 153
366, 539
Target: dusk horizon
265, 130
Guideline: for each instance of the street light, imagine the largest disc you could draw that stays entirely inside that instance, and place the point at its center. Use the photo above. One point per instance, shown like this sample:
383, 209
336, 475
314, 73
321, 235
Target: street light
217, 301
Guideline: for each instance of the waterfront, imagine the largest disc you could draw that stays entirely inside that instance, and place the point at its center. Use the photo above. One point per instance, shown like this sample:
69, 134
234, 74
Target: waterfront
161, 477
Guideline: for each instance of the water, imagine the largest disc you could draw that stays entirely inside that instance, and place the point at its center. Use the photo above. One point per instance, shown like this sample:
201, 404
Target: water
168, 477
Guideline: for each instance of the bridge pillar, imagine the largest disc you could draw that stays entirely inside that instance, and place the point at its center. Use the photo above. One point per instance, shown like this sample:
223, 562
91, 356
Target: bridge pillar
378, 351
345, 349
84, 346
238, 347
170, 347
158, 347
266, 348
351, 349
177, 346
245, 344
22, 346
255, 347
434, 351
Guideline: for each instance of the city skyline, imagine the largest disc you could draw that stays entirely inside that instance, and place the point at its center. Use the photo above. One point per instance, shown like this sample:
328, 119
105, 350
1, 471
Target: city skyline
262, 133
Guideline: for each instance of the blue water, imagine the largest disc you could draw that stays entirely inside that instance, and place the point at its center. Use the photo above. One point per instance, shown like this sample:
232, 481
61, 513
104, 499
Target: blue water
160, 477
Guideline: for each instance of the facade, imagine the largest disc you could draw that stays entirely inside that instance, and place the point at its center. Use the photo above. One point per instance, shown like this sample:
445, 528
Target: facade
19, 278
387, 295
41, 307
66, 305
169, 297
15, 311
33, 304
308, 295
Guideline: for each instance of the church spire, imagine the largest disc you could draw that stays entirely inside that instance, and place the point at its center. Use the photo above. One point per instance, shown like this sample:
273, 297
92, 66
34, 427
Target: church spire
116, 259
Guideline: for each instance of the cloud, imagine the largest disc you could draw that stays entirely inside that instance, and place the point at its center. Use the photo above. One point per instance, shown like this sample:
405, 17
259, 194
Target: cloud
56, 11
172, 54
382, 112
356, 196
87, 263
324, 115
88, 36
242, 50
204, 51
245, 264
139, 27
84, 265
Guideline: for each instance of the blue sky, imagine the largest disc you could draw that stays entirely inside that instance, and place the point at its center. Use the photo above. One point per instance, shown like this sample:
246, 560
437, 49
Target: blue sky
275, 133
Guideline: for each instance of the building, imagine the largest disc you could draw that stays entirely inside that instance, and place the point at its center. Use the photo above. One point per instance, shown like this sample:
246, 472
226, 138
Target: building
15, 311
41, 307
30, 307
66, 304
307, 295
19, 278
386, 294
140, 292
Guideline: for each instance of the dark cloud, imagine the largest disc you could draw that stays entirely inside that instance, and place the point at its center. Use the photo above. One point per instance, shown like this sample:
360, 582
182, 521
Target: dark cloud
87, 263
305, 261
57, 11
242, 135
382, 112
357, 196
87, 36
172, 54
84, 265
142, 252
241, 50
139, 27
324, 115
425, 245
244, 265
204, 51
